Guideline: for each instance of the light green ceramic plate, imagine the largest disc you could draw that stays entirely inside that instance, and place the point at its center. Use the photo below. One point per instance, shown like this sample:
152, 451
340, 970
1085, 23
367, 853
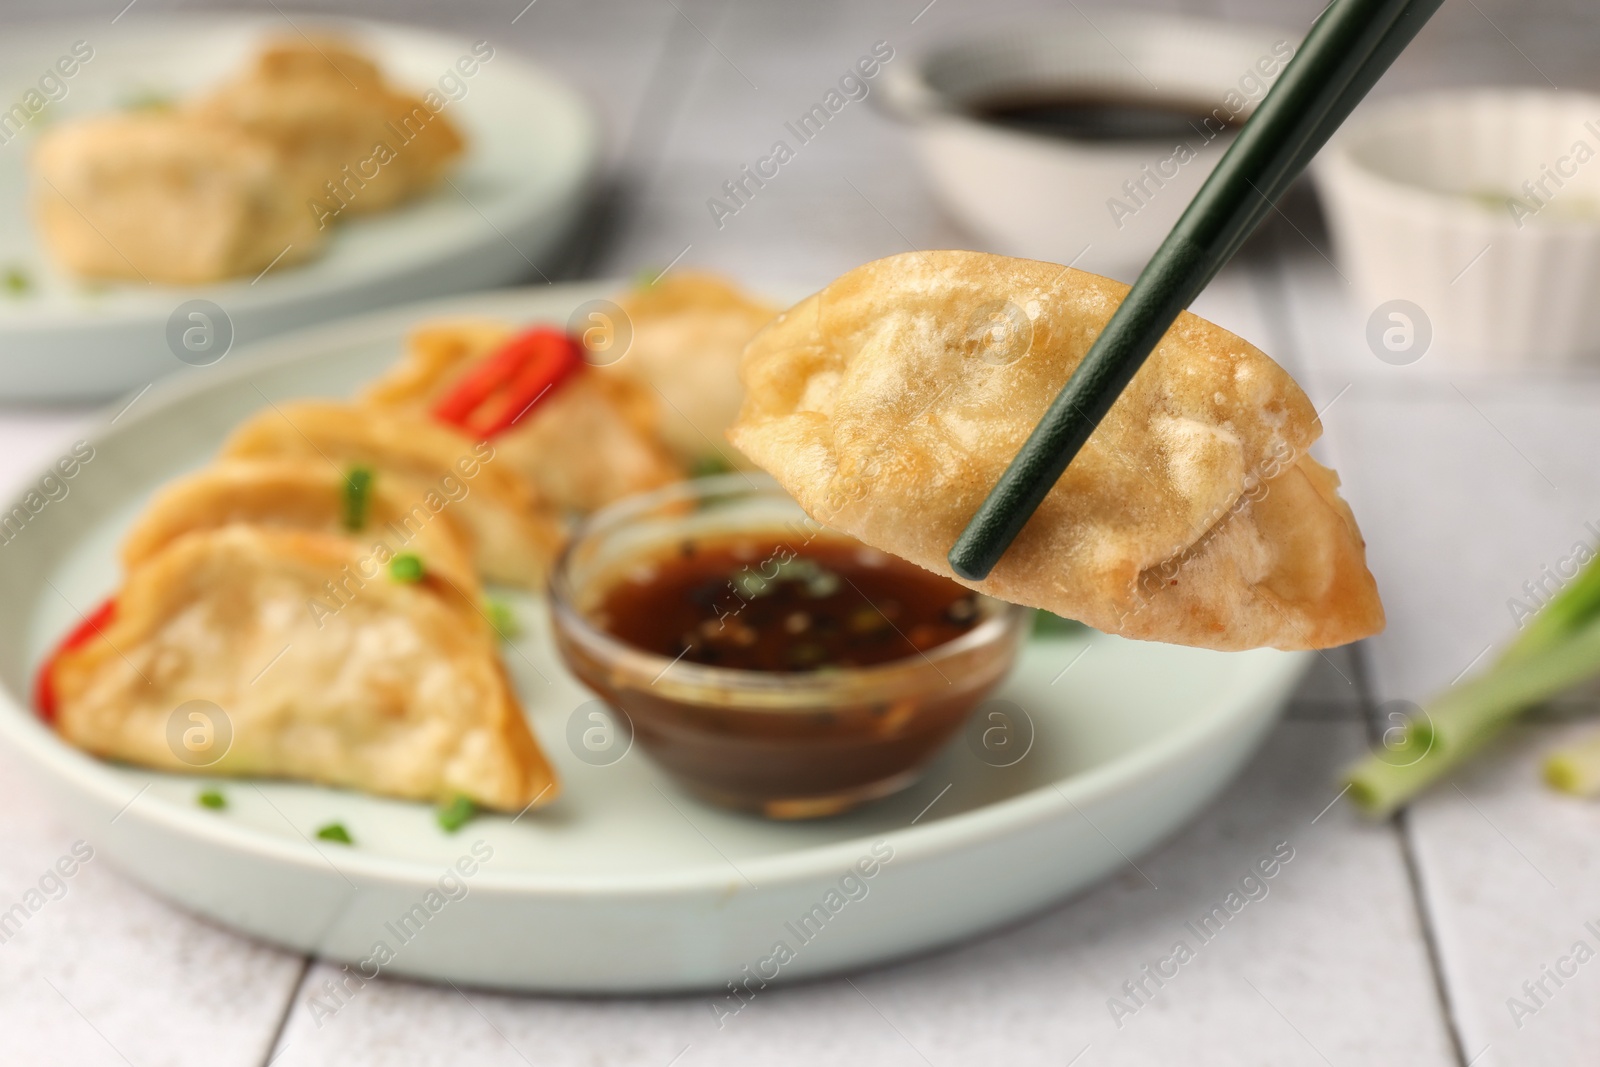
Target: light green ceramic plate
624, 883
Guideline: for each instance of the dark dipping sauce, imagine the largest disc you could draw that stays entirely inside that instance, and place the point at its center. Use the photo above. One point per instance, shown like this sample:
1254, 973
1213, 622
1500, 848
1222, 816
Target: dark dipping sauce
755, 605
1103, 119
791, 676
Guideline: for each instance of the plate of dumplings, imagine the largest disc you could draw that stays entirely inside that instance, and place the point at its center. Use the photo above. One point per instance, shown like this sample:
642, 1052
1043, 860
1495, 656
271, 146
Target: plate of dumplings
192, 182
277, 640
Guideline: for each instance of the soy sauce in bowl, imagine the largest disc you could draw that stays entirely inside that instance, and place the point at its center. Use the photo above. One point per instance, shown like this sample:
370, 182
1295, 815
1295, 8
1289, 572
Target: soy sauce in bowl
764, 661
767, 606
1104, 119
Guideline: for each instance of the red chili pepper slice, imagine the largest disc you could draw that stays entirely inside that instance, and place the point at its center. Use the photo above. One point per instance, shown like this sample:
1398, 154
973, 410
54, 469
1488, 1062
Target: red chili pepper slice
497, 393
44, 690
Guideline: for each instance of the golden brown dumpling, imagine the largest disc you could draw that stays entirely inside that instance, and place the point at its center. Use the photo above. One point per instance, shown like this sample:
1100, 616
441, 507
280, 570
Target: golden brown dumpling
351, 142
166, 197
513, 535
689, 330
592, 440
392, 693
890, 403
306, 494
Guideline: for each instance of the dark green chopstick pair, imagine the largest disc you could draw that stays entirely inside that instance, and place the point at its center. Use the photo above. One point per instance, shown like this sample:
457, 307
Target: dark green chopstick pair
1348, 49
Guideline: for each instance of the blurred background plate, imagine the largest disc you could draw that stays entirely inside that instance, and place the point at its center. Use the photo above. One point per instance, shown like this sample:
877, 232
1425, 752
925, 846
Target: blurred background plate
533, 147
1094, 750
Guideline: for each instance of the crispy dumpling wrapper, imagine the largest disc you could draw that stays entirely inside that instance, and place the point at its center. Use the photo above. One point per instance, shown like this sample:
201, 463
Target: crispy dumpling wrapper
591, 441
350, 140
388, 688
304, 494
688, 331
513, 535
166, 197
890, 403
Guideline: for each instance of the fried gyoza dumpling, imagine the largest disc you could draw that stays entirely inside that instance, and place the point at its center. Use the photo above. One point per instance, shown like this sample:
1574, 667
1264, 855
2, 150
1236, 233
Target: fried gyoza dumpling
388, 515
592, 440
688, 332
393, 692
513, 535
350, 141
166, 197
890, 403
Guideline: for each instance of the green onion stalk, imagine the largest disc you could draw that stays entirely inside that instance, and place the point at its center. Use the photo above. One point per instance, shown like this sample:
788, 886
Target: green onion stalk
1557, 650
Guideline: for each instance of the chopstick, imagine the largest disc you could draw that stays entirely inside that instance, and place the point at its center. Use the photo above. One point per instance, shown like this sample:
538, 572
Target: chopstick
1342, 57
1411, 20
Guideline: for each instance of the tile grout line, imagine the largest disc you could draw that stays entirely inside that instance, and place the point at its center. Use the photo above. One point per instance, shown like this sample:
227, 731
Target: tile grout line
1266, 277
640, 146
678, 67
664, 94
1271, 279
282, 1026
1405, 839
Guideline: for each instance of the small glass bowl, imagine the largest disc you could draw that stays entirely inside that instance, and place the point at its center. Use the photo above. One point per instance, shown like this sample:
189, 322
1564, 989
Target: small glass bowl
786, 745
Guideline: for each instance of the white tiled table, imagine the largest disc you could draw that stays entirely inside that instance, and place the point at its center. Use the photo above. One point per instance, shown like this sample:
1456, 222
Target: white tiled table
1394, 943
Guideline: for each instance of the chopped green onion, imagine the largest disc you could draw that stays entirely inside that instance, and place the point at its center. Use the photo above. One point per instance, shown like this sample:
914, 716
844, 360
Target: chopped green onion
456, 814
335, 831
1557, 650
819, 581
806, 655
357, 497
17, 281
1046, 624
1576, 768
868, 620
749, 585
213, 799
503, 617
147, 100
647, 277
406, 567
708, 465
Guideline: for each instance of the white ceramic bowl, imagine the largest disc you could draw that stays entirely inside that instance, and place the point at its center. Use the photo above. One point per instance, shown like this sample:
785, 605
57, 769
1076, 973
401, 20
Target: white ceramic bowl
1049, 198
1417, 197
